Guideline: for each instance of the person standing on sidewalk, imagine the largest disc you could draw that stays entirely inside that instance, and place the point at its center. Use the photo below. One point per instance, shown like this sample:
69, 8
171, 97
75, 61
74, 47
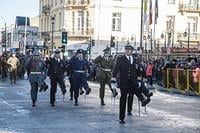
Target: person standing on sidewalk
37, 75
56, 73
105, 64
14, 64
149, 72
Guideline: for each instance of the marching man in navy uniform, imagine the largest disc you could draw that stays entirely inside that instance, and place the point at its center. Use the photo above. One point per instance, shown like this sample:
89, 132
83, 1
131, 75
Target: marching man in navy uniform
105, 64
56, 73
80, 69
126, 68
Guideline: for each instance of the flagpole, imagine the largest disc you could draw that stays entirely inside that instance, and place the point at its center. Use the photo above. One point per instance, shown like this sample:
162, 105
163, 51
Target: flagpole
154, 33
24, 49
141, 24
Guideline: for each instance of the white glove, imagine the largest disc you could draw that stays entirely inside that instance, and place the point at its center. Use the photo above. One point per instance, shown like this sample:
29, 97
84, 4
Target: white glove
113, 83
139, 84
87, 75
52, 56
113, 80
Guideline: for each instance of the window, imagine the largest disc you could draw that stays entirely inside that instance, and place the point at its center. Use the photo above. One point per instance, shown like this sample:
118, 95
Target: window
192, 24
60, 22
171, 1
42, 28
116, 22
170, 23
87, 20
52, 3
73, 21
80, 21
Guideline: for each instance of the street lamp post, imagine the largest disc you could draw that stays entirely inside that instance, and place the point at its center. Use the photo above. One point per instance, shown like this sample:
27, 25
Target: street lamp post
5, 32
145, 43
162, 36
188, 41
169, 41
141, 24
134, 38
52, 30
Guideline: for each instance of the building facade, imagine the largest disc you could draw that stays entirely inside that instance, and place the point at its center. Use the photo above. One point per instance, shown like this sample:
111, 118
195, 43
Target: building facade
104, 20
20, 36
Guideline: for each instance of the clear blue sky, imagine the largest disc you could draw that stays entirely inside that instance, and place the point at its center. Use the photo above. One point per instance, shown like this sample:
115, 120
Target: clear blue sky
9, 9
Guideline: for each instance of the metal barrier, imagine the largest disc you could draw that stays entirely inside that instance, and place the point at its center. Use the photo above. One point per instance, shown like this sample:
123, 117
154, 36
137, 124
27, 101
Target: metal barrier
183, 79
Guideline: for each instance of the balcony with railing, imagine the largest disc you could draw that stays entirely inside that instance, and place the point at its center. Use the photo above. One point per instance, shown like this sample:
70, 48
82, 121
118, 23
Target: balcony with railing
193, 38
78, 3
45, 35
81, 34
190, 8
46, 9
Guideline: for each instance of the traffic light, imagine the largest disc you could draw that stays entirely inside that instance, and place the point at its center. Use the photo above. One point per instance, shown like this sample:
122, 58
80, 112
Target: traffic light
64, 37
63, 48
93, 43
3, 37
88, 50
112, 41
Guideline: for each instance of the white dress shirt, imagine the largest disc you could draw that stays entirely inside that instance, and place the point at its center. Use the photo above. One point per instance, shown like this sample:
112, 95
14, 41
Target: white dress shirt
130, 57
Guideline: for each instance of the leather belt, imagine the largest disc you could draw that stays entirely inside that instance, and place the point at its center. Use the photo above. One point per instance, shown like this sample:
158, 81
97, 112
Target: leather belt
79, 71
107, 70
36, 73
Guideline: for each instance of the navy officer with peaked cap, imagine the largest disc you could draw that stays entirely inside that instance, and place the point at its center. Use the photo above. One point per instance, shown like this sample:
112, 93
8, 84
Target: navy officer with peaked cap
126, 67
79, 68
56, 73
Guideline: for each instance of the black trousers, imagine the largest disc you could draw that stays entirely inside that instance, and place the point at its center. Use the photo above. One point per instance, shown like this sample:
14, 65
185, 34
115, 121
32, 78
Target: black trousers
71, 87
103, 82
122, 105
54, 81
79, 82
34, 90
143, 88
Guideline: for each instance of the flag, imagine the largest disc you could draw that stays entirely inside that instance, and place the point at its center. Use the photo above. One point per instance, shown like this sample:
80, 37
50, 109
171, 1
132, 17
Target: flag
150, 12
156, 11
145, 11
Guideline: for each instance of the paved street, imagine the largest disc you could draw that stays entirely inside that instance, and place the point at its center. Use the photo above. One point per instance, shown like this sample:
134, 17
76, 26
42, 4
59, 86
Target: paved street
167, 113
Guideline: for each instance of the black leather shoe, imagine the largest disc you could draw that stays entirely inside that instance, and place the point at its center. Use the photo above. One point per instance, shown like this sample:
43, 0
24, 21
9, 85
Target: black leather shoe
46, 87
33, 105
129, 113
122, 121
88, 91
115, 93
81, 92
41, 89
52, 104
76, 102
71, 99
64, 91
145, 102
102, 103
150, 94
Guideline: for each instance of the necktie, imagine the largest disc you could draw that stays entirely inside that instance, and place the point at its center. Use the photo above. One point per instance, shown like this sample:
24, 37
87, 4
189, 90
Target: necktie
129, 59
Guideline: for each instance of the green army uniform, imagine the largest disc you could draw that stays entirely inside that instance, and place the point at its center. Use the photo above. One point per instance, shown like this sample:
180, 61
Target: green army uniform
105, 64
